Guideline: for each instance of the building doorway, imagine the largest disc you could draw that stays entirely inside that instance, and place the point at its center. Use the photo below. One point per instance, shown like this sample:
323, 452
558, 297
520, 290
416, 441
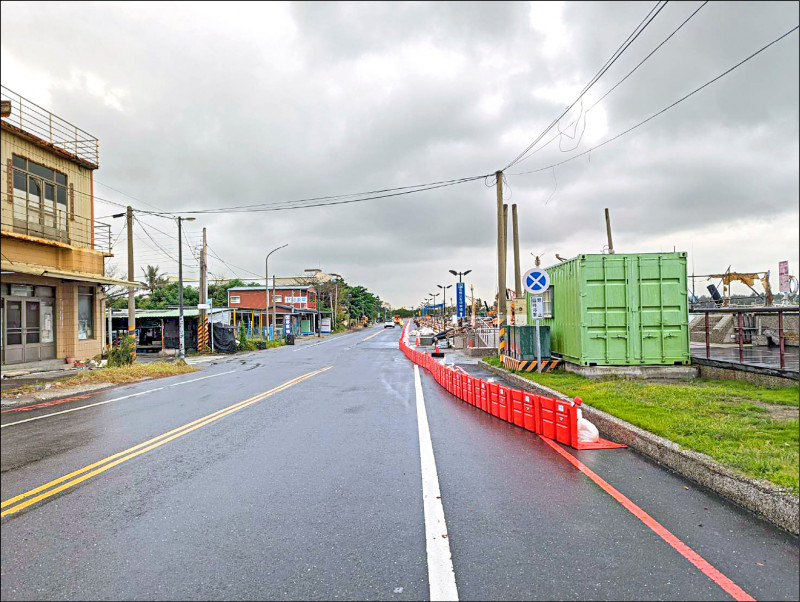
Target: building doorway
28, 326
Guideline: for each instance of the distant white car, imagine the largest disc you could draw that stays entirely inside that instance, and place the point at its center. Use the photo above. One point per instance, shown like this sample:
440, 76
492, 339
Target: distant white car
388, 324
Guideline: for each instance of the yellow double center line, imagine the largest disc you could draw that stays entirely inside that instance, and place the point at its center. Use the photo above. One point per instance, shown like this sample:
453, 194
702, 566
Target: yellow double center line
16, 503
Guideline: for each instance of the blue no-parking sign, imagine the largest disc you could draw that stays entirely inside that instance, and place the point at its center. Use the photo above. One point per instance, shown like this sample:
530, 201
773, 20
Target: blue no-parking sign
536, 281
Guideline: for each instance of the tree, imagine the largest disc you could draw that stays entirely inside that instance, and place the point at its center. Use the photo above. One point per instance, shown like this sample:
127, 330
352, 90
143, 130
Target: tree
153, 279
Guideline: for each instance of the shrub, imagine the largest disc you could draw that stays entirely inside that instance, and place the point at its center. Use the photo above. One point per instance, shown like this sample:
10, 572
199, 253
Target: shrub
244, 344
124, 353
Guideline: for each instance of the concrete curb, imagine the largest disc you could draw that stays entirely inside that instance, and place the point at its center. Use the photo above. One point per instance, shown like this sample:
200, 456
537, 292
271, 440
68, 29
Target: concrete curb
775, 505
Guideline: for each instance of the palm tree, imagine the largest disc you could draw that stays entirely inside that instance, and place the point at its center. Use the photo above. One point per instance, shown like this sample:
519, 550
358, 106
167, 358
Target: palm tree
153, 278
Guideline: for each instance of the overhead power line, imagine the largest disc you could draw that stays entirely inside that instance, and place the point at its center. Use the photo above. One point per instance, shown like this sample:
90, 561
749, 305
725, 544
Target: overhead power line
614, 87
665, 109
659, 6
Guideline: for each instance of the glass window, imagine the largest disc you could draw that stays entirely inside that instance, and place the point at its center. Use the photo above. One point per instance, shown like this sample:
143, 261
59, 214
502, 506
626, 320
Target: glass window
14, 322
61, 196
547, 303
61, 179
21, 290
279, 299
44, 291
85, 312
31, 322
20, 162
19, 183
236, 299
42, 171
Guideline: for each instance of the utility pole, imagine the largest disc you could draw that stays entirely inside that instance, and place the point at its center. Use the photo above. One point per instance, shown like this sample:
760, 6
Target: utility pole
202, 338
515, 229
608, 232
131, 275
501, 269
505, 256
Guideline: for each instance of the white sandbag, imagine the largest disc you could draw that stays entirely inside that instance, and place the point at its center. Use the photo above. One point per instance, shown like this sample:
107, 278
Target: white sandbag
587, 432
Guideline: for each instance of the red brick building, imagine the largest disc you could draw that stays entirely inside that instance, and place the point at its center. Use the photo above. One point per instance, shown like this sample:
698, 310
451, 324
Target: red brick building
297, 302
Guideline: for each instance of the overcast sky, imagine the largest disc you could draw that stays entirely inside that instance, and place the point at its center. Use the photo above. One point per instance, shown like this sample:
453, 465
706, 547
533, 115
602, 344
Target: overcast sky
208, 105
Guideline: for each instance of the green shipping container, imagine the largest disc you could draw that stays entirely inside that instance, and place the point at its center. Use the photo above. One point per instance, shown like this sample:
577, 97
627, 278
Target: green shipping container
621, 310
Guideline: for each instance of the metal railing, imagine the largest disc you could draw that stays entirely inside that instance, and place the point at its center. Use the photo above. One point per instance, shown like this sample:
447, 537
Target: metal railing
37, 121
42, 220
745, 328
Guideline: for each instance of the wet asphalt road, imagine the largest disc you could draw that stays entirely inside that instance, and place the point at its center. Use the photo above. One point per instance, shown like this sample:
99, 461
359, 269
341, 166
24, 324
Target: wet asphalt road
314, 492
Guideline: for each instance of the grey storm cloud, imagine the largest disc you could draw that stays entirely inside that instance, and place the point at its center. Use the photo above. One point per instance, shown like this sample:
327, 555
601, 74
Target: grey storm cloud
211, 105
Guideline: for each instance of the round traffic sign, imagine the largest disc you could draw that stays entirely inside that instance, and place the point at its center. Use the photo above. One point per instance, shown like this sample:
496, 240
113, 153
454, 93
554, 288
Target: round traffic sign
536, 281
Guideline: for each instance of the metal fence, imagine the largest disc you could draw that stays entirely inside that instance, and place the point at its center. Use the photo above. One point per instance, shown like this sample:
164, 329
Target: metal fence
33, 119
40, 219
746, 328
486, 338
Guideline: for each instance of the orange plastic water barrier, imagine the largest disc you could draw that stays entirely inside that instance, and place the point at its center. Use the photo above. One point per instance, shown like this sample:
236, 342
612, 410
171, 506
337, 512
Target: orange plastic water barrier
549, 417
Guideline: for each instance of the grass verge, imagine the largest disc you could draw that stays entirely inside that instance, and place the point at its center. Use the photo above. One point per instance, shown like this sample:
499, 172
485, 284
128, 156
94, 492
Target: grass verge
749, 428
117, 376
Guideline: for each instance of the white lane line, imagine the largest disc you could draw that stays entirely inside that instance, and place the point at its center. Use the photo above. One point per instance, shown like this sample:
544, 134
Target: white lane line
441, 576
100, 403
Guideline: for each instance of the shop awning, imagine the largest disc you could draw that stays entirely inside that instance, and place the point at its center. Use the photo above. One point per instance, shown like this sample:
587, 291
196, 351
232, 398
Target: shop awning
41, 270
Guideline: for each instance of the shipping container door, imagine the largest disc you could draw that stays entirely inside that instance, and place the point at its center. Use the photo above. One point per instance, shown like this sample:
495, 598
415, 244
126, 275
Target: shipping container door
663, 312
606, 315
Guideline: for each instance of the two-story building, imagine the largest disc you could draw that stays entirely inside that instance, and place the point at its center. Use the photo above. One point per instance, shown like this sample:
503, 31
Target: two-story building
298, 302
53, 250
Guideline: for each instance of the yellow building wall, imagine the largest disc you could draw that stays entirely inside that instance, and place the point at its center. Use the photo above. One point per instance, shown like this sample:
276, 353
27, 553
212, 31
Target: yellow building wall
67, 259
79, 177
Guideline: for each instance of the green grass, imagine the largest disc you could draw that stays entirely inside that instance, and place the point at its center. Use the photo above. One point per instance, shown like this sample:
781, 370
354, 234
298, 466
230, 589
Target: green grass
746, 427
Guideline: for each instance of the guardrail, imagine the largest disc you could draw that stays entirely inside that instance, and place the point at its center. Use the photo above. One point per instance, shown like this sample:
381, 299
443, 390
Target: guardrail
46, 220
41, 123
745, 329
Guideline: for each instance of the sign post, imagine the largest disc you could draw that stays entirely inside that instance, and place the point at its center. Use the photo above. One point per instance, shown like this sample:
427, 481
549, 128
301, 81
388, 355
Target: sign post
536, 282
461, 302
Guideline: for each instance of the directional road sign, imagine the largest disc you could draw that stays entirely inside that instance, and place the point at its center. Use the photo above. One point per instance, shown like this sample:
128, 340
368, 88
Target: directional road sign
536, 281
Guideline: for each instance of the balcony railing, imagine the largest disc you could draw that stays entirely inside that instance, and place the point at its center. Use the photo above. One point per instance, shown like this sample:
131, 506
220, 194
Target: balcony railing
41, 123
42, 220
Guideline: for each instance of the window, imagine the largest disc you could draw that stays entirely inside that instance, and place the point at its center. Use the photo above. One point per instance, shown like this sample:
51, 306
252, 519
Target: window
547, 303
40, 195
85, 312
235, 299
279, 299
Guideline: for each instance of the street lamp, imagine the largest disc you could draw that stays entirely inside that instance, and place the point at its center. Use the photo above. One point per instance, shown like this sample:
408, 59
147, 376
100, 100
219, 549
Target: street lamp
266, 292
459, 274
182, 350
433, 296
444, 297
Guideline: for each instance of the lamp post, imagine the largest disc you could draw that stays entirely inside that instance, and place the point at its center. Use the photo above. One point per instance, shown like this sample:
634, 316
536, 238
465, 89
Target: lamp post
459, 274
182, 351
266, 292
433, 296
444, 298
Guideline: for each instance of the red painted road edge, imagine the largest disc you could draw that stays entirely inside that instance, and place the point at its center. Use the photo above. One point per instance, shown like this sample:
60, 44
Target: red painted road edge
733, 590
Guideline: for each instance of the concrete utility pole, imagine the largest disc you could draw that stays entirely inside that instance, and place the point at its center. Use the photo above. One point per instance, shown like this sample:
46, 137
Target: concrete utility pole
501, 269
608, 232
131, 275
505, 255
202, 336
515, 229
